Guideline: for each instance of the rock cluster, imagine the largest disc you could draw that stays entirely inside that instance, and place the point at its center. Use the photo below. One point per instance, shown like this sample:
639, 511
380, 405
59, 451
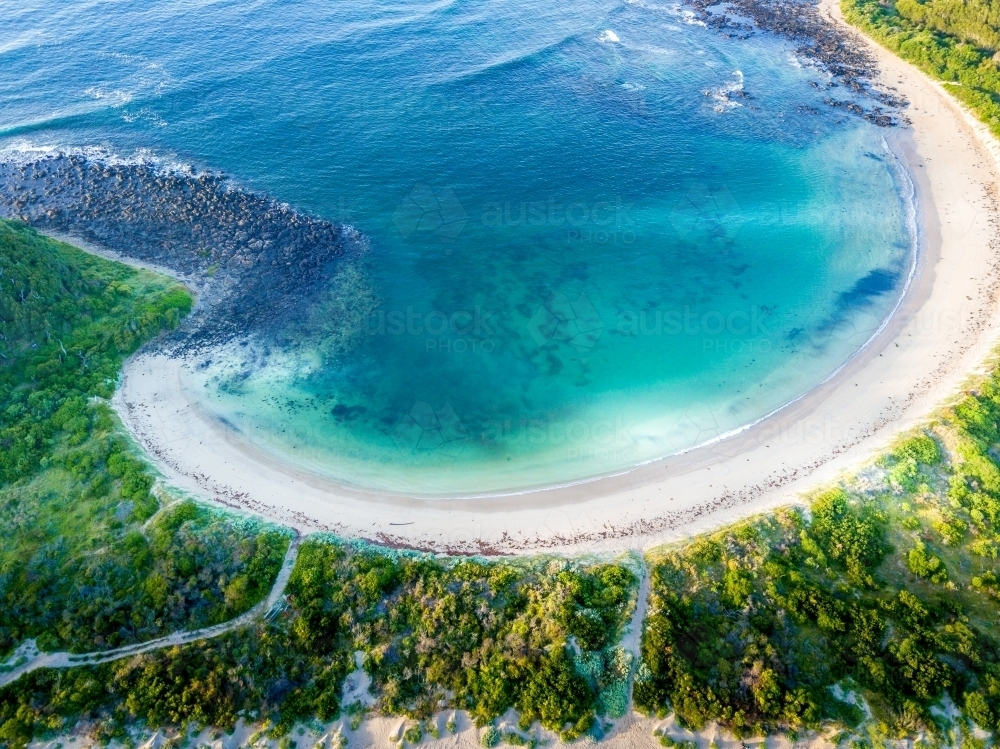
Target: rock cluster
833, 50
256, 263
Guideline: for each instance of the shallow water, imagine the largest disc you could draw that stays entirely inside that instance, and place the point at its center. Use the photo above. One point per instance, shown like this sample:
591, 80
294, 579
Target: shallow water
600, 233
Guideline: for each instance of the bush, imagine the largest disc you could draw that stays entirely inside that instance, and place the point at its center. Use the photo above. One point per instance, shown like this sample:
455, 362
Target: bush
934, 36
752, 628
852, 534
413, 734
78, 570
924, 564
491, 737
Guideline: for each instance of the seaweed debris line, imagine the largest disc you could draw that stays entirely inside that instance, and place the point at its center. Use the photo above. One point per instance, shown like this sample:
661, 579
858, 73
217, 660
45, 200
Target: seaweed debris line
256, 264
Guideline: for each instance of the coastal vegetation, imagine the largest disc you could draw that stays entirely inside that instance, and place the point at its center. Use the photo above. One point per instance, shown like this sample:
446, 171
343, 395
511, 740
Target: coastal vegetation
94, 555
869, 616
954, 41
89, 557
874, 611
537, 635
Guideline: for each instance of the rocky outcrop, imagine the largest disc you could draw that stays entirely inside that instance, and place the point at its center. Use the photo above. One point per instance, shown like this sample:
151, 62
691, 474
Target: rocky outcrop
256, 263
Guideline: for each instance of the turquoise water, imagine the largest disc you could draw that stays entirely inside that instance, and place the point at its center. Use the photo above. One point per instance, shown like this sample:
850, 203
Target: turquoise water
599, 233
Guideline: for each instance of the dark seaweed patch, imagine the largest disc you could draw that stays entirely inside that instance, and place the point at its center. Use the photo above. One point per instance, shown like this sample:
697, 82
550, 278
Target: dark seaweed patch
876, 283
347, 413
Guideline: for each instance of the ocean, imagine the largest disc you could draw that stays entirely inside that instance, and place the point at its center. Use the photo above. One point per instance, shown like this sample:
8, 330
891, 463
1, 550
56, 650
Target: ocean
594, 233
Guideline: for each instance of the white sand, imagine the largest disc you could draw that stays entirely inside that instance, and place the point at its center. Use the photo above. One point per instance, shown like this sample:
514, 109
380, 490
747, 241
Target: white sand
631, 732
943, 332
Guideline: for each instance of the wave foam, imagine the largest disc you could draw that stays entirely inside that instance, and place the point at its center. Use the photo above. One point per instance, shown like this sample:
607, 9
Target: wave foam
724, 95
689, 17
25, 152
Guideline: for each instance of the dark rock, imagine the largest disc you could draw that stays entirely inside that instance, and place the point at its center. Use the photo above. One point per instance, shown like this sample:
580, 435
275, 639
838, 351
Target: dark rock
199, 225
830, 48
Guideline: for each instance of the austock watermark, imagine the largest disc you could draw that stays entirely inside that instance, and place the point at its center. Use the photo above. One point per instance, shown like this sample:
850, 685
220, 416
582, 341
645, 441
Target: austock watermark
687, 321
558, 213
704, 213
426, 429
435, 210
721, 332
571, 320
604, 440
591, 222
560, 320
459, 332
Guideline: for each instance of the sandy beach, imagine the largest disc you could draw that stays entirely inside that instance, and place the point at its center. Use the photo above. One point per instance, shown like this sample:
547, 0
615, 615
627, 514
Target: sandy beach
942, 333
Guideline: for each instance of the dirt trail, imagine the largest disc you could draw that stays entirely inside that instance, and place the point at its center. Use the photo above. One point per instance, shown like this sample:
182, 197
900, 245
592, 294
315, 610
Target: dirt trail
28, 658
632, 641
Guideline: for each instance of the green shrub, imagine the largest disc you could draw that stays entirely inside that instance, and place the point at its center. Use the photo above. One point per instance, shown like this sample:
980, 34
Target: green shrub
924, 564
81, 572
491, 737
414, 733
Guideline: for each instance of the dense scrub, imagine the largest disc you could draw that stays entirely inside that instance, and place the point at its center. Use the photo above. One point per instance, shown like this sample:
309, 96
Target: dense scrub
67, 321
490, 635
954, 41
190, 568
885, 599
973, 21
80, 565
481, 636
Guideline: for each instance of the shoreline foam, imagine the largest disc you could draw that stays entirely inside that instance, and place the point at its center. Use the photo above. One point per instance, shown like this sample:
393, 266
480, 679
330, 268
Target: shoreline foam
942, 333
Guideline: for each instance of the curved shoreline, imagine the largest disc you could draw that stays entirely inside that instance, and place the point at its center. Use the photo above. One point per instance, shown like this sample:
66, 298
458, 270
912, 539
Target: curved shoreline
279, 454
943, 331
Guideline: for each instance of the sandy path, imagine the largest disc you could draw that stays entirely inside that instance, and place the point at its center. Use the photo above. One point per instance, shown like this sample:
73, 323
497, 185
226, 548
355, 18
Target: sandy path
632, 639
943, 332
32, 659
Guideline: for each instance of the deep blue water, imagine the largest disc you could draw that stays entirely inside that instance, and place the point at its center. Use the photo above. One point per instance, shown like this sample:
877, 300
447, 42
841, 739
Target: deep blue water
599, 232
